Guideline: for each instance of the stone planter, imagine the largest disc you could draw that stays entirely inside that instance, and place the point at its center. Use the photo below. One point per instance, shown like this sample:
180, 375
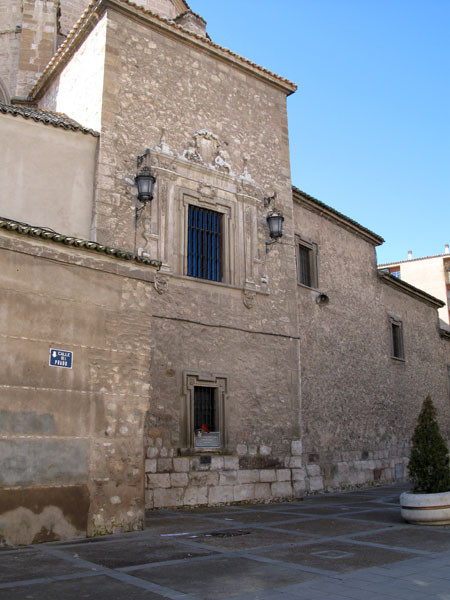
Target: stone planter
426, 509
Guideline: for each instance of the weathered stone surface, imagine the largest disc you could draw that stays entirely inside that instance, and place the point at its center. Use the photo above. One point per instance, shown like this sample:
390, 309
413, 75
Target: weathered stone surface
244, 492
281, 489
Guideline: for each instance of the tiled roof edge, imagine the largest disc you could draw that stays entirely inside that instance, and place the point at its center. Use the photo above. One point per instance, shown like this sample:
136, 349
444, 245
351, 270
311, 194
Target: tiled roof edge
408, 260
410, 289
53, 236
46, 117
340, 218
190, 12
91, 12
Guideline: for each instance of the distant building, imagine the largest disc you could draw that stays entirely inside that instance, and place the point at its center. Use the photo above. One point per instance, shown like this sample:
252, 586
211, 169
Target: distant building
429, 273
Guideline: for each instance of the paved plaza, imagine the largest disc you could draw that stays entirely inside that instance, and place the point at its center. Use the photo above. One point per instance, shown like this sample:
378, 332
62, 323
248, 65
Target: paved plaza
335, 546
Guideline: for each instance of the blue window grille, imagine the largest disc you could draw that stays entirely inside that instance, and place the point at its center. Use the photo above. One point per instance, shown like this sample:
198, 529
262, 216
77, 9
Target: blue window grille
204, 244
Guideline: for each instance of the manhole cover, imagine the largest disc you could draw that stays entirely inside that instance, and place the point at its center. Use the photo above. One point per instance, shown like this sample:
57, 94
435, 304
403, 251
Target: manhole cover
227, 533
332, 554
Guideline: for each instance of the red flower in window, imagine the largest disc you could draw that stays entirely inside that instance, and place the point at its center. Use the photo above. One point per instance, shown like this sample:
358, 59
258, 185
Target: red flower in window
205, 429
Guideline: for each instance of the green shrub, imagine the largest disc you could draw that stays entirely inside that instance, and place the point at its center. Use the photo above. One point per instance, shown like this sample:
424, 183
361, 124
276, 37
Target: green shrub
429, 468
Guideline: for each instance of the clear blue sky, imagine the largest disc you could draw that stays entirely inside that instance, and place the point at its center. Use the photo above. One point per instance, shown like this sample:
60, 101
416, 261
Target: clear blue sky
370, 122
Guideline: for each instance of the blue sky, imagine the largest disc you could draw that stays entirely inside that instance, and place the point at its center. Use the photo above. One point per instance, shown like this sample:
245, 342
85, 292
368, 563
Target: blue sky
370, 122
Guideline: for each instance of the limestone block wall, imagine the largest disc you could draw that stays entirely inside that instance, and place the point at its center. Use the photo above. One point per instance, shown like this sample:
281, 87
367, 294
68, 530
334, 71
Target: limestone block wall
359, 405
190, 102
10, 35
71, 439
37, 42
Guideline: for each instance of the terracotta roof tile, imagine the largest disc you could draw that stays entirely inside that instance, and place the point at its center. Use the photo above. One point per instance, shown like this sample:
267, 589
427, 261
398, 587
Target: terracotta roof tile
52, 236
46, 117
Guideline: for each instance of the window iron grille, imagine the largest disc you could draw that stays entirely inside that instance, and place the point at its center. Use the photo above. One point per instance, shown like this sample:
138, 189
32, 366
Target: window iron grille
204, 408
204, 244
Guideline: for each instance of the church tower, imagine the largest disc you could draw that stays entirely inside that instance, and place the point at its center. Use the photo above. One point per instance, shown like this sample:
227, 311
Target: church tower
32, 30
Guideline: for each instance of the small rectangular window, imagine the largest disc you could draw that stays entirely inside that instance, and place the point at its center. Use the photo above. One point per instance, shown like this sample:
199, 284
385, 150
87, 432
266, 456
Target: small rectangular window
307, 263
397, 339
204, 244
206, 418
204, 413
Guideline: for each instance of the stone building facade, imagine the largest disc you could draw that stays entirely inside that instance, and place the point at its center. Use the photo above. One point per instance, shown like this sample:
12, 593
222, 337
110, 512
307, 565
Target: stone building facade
288, 349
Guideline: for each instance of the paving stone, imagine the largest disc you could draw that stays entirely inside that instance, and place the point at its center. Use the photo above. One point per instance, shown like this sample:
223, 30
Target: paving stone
135, 552
381, 515
31, 564
329, 527
413, 537
260, 517
222, 577
335, 556
100, 587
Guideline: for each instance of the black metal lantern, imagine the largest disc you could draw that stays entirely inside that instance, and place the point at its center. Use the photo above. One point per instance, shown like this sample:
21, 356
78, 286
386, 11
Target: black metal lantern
275, 221
144, 179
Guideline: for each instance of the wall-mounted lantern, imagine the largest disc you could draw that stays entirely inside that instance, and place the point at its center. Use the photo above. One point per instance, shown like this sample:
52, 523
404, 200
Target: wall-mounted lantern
144, 178
275, 220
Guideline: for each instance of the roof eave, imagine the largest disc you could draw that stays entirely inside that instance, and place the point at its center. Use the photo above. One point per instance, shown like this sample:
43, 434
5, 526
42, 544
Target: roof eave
340, 219
409, 289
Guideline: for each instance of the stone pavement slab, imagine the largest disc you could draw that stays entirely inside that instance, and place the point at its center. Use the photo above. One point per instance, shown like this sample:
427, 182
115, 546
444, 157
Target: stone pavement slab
134, 551
223, 577
330, 546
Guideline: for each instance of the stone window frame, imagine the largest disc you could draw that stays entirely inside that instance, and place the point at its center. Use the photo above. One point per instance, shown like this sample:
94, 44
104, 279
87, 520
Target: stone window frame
313, 250
191, 380
396, 325
228, 249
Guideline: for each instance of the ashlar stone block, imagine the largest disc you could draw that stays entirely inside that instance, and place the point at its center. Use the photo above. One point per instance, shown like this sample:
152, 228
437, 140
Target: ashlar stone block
150, 465
281, 489
231, 463
296, 448
283, 474
168, 497
158, 480
181, 465
262, 491
220, 494
248, 476
267, 475
245, 491
194, 496
179, 479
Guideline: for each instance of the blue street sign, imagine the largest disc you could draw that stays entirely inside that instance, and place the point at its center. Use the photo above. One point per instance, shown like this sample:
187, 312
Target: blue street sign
60, 358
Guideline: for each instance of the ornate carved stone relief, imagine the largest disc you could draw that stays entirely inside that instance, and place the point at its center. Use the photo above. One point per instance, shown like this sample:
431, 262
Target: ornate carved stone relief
248, 298
163, 146
161, 284
206, 148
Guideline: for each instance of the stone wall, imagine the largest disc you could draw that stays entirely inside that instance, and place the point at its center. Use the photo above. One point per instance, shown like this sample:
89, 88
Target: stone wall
50, 174
359, 405
206, 122
10, 34
71, 438
37, 42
